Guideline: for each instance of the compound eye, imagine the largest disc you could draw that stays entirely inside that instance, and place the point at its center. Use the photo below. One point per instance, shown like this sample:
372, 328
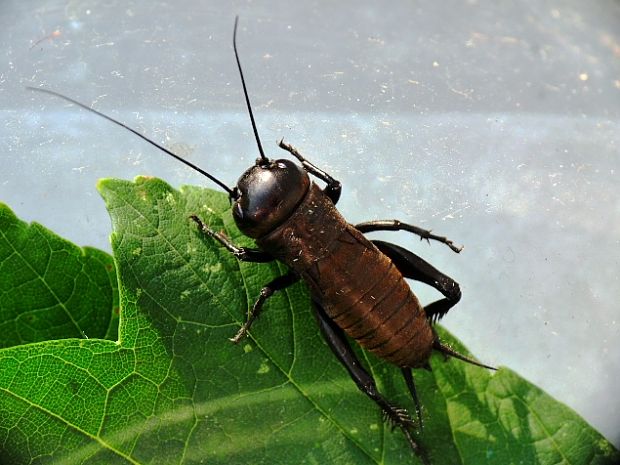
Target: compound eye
238, 209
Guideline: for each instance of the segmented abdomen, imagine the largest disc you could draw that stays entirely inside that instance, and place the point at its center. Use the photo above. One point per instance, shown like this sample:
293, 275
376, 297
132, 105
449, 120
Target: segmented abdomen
365, 294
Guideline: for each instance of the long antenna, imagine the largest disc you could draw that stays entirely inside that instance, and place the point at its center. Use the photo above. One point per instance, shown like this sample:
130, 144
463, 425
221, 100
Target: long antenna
231, 192
245, 92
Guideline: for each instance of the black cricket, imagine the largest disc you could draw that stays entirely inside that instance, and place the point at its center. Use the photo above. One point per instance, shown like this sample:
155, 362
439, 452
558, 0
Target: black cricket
357, 285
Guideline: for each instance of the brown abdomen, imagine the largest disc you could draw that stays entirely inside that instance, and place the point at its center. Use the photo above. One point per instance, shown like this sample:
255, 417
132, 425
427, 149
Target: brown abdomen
358, 286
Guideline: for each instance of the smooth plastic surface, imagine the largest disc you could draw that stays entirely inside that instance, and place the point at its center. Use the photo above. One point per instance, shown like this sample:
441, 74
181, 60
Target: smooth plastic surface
496, 124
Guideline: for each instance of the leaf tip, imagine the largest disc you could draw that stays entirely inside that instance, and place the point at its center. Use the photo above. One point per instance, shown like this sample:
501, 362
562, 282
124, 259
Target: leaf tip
104, 184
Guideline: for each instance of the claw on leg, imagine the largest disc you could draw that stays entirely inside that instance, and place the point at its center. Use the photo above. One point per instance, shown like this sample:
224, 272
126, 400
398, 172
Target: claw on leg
243, 332
400, 418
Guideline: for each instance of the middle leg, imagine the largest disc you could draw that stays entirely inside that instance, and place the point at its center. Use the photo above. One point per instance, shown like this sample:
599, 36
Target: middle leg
395, 225
278, 284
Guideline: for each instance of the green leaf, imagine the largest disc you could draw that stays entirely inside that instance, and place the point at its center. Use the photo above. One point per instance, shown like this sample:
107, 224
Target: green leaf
174, 390
51, 289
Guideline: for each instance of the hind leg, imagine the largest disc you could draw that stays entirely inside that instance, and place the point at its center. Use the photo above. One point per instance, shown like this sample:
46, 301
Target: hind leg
413, 267
339, 345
